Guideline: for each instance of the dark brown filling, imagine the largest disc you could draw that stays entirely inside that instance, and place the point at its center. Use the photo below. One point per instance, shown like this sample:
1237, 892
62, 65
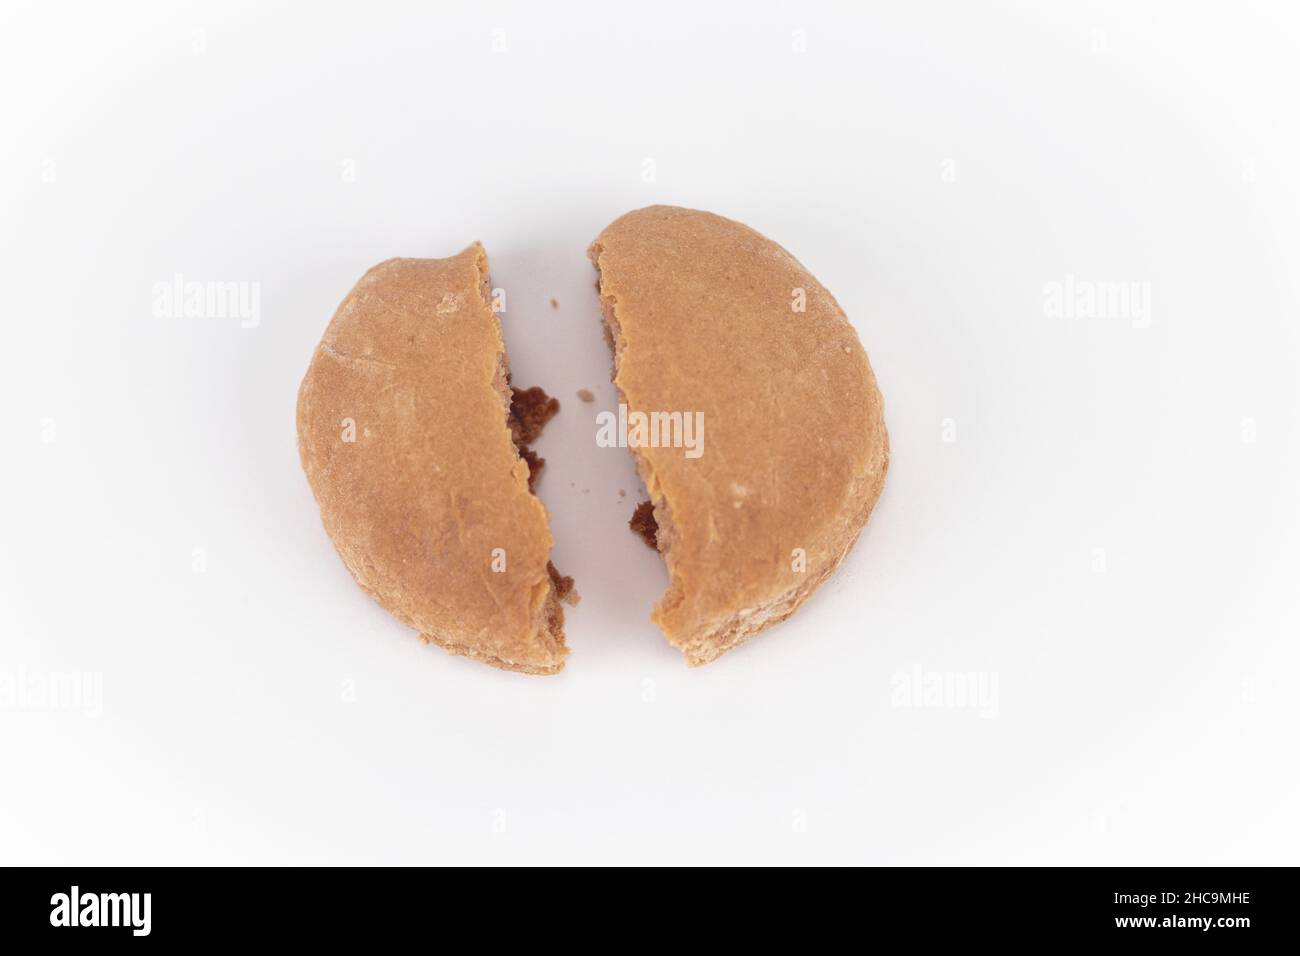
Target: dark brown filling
643, 523
563, 583
535, 463
530, 410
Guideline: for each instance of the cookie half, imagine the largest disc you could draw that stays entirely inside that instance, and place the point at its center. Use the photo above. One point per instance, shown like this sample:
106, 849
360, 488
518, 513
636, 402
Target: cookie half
407, 437
713, 322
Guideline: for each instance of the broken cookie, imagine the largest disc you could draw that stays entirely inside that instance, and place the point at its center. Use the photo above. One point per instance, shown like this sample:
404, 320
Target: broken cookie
711, 321
415, 447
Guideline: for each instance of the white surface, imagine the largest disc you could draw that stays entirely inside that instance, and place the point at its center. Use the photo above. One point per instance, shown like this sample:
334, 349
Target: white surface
1102, 540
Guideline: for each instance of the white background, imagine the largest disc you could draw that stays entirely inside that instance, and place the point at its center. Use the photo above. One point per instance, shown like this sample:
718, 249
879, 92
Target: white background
1109, 542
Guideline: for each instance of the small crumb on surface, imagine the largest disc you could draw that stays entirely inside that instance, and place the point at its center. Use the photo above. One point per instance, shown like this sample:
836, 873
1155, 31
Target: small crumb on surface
622, 493
554, 304
585, 395
643, 523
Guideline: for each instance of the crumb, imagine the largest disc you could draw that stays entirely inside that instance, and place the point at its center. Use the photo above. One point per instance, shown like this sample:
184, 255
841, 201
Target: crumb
622, 493
643, 523
530, 410
563, 585
554, 304
585, 395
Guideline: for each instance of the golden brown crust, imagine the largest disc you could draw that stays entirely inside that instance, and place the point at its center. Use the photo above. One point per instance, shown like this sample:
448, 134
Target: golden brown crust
703, 316
403, 435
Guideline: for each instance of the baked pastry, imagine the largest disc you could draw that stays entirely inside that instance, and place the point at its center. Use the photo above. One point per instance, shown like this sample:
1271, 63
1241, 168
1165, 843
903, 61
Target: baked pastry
408, 438
713, 321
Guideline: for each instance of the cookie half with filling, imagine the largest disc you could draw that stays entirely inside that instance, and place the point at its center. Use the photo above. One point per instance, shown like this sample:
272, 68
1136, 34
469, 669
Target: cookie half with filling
753, 414
415, 446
